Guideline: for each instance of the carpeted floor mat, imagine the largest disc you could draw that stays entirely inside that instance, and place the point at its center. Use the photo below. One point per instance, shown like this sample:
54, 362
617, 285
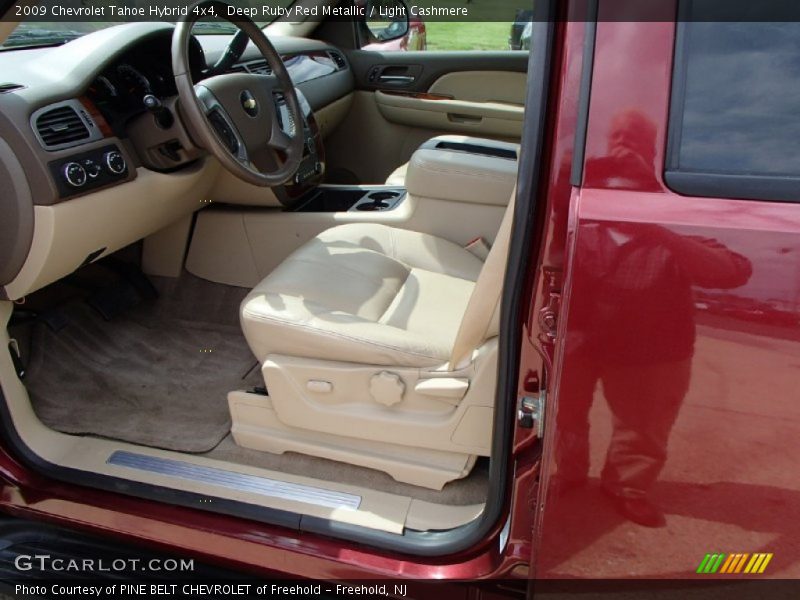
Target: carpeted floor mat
146, 377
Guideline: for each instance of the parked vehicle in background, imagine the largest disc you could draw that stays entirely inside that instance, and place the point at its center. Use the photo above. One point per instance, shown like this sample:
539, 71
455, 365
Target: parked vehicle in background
522, 23
415, 37
525, 38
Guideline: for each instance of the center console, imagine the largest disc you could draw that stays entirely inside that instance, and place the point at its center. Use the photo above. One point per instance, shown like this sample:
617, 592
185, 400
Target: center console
456, 188
463, 169
448, 167
335, 198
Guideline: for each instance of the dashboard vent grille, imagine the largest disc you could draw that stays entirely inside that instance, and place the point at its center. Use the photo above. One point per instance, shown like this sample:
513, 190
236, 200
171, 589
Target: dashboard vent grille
5, 88
60, 126
339, 60
257, 67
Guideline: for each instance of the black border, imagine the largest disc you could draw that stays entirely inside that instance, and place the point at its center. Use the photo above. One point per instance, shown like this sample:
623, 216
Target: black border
430, 544
708, 183
587, 68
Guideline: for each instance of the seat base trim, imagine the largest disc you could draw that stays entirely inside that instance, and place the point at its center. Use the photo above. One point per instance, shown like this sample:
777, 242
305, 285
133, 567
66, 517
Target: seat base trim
256, 426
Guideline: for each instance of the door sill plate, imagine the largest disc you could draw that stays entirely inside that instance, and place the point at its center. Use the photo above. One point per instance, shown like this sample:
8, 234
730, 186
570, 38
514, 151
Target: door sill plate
242, 482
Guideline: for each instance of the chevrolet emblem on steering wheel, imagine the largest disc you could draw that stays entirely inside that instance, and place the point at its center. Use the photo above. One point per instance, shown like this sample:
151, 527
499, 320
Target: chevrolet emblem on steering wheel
249, 103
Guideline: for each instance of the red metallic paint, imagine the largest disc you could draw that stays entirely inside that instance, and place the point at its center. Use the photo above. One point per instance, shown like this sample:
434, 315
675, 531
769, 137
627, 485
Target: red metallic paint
679, 350
537, 348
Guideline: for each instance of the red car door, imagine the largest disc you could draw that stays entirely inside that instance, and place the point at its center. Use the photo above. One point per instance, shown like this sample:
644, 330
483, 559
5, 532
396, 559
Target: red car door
672, 425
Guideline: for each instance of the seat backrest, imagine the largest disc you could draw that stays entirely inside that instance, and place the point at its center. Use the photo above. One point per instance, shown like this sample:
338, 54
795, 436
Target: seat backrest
482, 317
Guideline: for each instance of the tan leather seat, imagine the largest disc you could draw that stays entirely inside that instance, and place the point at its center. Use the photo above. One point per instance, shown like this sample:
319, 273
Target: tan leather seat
364, 293
378, 347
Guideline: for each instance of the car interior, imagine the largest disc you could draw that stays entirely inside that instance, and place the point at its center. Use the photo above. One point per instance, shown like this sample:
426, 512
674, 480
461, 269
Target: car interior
263, 269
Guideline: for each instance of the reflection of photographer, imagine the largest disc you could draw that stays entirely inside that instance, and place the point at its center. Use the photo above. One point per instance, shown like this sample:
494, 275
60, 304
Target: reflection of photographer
633, 332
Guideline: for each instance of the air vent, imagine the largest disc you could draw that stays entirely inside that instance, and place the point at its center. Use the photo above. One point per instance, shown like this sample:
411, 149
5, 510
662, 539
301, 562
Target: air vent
337, 58
5, 88
63, 125
257, 67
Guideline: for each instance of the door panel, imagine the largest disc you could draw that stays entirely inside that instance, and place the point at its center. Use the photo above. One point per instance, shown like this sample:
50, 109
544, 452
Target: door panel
502, 87
431, 66
486, 119
406, 98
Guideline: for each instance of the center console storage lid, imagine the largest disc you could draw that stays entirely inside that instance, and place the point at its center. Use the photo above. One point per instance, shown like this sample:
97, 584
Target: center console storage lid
464, 169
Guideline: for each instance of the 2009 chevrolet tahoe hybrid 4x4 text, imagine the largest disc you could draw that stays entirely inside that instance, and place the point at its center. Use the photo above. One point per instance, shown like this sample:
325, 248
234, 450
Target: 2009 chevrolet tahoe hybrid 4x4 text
300, 306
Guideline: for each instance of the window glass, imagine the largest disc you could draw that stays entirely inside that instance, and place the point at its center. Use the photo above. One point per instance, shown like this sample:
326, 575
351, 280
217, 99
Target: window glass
489, 35
491, 26
737, 105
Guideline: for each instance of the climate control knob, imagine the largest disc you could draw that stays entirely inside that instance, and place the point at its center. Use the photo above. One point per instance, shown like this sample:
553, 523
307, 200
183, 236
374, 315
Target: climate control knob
75, 174
93, 169
115, 163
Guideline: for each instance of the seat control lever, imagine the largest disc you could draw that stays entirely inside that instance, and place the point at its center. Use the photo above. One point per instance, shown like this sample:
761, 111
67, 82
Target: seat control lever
449, 389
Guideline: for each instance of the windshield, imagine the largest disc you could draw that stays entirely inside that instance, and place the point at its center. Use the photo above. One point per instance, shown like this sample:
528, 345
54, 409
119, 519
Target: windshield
37, 30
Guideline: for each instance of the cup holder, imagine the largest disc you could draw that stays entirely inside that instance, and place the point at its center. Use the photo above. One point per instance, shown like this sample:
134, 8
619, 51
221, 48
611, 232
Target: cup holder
381, 196
378, 200
373, 205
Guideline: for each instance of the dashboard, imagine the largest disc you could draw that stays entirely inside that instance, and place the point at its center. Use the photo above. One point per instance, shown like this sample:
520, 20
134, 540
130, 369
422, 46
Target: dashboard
89, 164
111, 95
118, 91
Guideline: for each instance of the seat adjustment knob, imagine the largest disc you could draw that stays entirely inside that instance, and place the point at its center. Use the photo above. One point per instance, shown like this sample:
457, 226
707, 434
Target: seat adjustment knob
387, 388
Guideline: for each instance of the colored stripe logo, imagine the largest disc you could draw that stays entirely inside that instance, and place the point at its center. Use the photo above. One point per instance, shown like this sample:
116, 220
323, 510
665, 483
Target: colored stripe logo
731, 564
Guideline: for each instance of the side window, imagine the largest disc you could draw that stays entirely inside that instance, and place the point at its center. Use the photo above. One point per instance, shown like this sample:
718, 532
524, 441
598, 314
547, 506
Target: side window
735, 111
463, 25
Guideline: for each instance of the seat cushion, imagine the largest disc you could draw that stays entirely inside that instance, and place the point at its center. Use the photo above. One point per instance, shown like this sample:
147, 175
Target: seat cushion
363, 293
398, 176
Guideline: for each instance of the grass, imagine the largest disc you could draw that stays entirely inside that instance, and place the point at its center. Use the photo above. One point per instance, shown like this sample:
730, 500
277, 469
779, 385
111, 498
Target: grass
454, 35
487, 26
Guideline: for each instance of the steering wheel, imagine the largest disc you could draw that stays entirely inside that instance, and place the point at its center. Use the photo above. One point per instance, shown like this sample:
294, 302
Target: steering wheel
235, 115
